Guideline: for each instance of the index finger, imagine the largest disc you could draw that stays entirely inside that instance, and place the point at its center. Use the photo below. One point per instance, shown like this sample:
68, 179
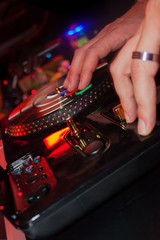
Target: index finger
86, 58
73, 77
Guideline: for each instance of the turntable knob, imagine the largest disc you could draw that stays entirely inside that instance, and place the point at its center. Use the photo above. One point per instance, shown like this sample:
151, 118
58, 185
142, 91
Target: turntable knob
18, 171
33, 178
94, 148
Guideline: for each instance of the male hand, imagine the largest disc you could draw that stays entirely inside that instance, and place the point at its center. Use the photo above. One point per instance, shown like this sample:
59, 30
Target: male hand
111, 38
134, 79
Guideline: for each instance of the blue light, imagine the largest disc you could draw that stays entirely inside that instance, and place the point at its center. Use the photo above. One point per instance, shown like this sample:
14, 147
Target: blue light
79, 28
75, 30
70, 32
48, 55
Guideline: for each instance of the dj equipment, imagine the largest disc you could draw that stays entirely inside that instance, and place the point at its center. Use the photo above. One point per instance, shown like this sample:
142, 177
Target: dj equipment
68, 153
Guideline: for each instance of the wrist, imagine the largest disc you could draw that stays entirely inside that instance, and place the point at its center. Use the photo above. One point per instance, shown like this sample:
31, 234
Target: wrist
152, 12
142, 1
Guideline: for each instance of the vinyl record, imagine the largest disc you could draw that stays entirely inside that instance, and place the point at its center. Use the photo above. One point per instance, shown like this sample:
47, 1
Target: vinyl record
52, 105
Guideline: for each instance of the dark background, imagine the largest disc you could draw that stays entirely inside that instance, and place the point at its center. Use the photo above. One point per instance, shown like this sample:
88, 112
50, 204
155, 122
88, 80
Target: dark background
30, 24
27, 27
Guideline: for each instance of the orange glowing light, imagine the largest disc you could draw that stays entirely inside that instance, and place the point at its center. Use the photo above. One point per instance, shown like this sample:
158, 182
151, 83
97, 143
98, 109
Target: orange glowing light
55, 137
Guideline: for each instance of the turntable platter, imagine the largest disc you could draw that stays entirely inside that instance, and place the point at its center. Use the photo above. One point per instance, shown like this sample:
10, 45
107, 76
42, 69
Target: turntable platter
51, 106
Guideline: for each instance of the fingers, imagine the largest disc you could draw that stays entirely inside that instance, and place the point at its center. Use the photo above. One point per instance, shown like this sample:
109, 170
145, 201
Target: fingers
134, 78
143, 74
95, 52
145, 95
86, 58
121, 73
73, 77
84, 63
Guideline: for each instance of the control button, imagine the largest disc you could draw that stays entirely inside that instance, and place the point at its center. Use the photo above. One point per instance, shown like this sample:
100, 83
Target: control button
40, 169
36, 159
27, 161
94, 148
32, 178
29, 169
44, 176
18, 171
38, 193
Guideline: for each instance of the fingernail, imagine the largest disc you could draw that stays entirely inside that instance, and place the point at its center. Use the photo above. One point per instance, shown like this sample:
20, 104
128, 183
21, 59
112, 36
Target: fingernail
127, 117
69, 86
65, 83
142, 128
79, 87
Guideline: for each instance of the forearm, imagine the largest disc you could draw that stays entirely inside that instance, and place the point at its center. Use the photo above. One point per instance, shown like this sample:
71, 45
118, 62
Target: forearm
152, 13
136, 13
126, 25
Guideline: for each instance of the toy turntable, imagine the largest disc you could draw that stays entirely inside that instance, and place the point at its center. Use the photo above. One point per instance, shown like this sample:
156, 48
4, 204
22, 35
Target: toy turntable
67, 153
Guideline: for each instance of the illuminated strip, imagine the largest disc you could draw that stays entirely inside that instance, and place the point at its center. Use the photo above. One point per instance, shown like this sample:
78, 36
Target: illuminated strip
48, 103
70, 93
52, 96
82, 91
62, 93
101, 65
64, 102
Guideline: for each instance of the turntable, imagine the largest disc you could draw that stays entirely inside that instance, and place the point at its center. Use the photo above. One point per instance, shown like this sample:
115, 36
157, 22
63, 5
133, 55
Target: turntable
67, 153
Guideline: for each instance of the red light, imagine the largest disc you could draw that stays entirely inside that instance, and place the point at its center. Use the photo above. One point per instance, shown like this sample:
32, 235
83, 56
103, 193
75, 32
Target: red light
33, 91
20, 194
70, 93
5, 82
1, 207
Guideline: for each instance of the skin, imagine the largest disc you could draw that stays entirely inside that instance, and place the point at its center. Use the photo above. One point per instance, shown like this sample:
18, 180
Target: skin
137, 30
136, 77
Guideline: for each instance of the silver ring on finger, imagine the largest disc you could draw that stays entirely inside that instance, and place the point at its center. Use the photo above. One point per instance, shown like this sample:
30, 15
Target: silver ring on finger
146, 56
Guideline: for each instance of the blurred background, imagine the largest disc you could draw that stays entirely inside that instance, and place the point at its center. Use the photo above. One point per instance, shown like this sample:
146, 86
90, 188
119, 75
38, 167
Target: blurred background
38, 39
